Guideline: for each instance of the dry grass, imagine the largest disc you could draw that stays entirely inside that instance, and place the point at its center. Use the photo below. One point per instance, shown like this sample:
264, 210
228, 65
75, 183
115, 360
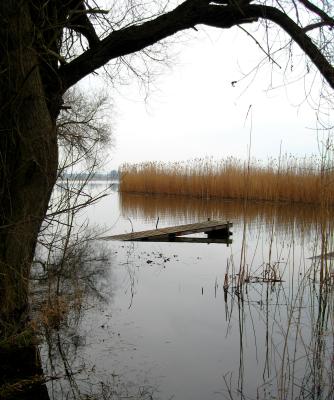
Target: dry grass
54, 312
306, 180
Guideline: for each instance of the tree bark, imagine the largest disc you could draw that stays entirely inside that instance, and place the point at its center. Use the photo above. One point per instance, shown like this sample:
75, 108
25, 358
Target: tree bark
21, 374
28, 159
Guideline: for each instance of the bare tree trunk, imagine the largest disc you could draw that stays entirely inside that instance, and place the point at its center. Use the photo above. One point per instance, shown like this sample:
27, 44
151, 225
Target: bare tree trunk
28, 159
21, 374
28, 166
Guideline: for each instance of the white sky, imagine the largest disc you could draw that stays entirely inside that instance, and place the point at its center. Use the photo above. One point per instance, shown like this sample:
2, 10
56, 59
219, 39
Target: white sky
194, 111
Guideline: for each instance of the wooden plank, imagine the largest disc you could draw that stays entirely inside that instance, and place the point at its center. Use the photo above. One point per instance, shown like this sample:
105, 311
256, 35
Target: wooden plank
183, 239
172, 231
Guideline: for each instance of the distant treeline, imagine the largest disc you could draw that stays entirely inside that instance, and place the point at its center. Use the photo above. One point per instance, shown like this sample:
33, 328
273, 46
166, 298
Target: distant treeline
288, 179
98, 176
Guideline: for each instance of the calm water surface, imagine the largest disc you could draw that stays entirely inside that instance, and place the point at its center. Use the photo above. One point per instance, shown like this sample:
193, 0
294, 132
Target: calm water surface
163, 327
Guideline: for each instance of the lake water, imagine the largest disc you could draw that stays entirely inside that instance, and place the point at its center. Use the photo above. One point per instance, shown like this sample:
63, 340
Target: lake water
160, 325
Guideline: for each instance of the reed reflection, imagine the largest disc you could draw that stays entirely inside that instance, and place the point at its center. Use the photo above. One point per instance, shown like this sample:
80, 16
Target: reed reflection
178, 210
282, 308
285, 335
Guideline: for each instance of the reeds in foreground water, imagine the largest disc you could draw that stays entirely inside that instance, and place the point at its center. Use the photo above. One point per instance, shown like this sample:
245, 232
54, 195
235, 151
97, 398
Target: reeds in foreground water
289, 179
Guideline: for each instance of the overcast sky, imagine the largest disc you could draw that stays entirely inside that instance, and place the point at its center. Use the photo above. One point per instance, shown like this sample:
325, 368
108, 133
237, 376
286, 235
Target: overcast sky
193, 110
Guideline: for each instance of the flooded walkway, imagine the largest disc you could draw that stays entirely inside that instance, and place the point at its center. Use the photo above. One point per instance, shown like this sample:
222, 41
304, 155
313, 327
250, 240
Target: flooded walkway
214, 230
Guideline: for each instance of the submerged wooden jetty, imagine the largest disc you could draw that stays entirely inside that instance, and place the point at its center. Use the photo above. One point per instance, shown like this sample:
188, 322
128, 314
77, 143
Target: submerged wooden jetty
216, 231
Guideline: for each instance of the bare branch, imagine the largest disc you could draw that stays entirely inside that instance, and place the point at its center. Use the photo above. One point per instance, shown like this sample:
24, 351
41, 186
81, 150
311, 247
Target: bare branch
137, 37
321, 13
185, 16
299, 36
317, 25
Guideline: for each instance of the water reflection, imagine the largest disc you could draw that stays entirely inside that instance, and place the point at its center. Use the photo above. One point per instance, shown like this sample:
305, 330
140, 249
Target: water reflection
72, 302
197, 321
277, 302
66, 285
178, 209
292, 335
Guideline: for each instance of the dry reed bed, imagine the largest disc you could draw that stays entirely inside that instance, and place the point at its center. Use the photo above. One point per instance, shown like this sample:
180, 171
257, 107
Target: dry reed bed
306, 180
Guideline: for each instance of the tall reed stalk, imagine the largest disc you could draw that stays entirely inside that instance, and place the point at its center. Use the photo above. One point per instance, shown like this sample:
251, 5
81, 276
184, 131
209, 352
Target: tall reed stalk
289, 179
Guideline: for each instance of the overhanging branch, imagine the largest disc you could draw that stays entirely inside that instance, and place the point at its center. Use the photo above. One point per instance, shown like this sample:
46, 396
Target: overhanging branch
137, 37
299, 36
185, 16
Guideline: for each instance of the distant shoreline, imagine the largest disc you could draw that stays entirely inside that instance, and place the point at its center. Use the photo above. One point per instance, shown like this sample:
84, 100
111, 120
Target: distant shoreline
109, 176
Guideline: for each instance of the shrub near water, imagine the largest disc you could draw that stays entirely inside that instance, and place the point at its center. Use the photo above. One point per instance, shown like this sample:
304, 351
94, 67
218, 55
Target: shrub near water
289, 179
